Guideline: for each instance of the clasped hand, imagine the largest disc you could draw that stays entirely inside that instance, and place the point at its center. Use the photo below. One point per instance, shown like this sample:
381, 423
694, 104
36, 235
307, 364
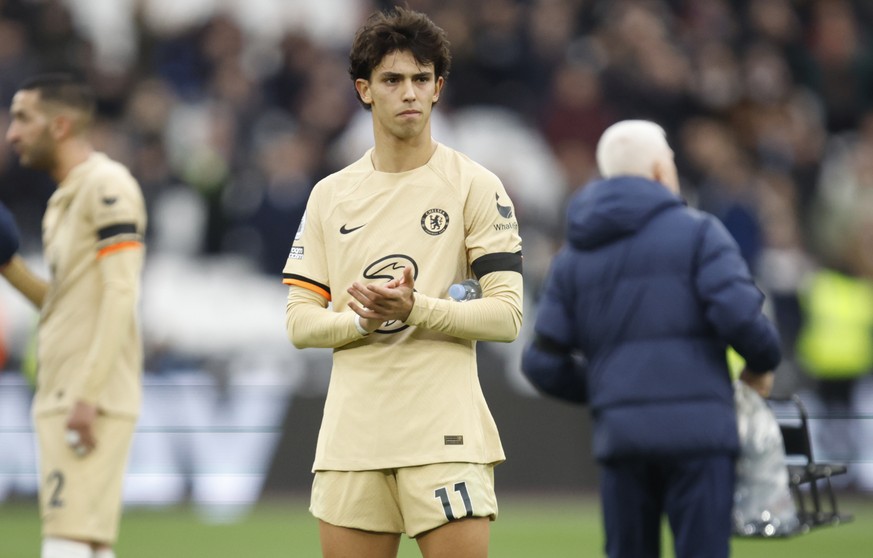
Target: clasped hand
377, 303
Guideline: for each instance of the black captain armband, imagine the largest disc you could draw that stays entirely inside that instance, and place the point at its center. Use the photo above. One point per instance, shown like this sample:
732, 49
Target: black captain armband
498, 261
117, 230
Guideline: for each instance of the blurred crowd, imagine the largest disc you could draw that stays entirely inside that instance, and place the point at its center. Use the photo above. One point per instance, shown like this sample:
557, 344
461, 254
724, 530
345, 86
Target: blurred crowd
766, 102
228, 112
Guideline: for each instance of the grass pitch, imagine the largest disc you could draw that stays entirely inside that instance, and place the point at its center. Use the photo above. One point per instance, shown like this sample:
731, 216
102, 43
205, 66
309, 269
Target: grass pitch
528, 527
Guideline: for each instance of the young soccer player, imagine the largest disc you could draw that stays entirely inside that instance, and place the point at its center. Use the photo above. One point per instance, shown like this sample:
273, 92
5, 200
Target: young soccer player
407, 443
89, 351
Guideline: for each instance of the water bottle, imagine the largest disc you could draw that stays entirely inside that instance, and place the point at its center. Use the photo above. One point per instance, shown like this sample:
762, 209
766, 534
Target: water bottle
468, 289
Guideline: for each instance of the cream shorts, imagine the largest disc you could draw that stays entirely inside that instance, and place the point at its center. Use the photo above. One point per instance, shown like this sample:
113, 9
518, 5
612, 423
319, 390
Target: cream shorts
80, 497
411, 500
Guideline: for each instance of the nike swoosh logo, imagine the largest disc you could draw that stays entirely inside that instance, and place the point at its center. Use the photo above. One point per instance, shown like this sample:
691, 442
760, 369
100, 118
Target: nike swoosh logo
344, 230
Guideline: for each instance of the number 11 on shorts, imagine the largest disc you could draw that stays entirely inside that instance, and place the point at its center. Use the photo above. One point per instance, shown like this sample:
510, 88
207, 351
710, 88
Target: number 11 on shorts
443, 495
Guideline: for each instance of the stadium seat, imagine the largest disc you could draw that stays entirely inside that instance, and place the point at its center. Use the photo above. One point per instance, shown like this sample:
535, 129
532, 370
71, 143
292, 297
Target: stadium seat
809, 480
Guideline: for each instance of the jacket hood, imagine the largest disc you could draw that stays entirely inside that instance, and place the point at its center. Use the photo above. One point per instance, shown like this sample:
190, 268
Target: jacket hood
609, 209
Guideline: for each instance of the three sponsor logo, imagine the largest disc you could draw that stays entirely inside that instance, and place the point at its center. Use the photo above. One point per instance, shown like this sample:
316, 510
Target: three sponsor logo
385, 269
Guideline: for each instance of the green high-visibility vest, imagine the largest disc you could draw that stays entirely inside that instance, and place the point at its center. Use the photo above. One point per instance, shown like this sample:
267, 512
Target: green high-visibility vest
836, 340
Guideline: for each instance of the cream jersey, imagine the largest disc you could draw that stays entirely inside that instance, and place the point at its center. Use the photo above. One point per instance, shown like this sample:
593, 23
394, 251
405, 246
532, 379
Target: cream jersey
89, 343
407, 394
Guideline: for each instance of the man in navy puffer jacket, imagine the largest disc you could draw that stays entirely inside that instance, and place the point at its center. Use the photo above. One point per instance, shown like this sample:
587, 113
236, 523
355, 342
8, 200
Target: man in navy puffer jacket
638, 310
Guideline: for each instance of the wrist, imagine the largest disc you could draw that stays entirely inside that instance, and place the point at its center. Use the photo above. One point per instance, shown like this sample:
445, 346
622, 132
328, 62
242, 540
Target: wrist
360, 328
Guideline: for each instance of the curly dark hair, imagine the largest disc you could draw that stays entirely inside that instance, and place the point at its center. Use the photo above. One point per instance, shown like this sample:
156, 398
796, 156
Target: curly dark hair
64, 89
399, 29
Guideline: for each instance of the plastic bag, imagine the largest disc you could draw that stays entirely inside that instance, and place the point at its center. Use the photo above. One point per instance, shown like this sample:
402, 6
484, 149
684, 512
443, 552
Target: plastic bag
763, 505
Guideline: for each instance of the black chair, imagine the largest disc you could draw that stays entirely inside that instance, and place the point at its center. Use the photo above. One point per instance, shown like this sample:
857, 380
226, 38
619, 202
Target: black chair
809, 480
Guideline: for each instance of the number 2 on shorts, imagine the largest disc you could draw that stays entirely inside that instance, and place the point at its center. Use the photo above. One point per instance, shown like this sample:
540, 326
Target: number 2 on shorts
56, 477
443, 495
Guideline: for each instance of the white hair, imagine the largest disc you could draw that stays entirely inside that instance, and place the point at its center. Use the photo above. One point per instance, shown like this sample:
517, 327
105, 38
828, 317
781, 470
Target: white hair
631, 147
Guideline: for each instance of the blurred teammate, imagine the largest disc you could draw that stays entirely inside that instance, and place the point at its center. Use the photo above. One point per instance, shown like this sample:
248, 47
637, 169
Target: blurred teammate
638, 310
89, 352
407, 443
